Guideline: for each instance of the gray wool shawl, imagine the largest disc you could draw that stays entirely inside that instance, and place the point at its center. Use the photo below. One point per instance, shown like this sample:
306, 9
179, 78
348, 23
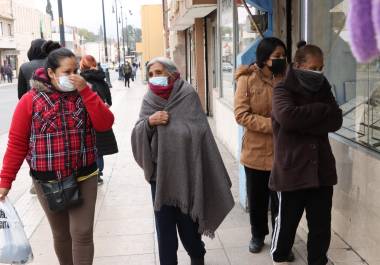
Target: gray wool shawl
183, 158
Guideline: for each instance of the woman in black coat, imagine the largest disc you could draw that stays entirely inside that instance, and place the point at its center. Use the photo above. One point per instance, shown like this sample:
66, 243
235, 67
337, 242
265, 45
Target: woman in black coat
304, 173
105, 141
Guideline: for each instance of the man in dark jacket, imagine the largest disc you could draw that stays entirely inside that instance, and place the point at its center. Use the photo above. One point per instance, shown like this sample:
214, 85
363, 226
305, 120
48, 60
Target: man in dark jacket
36, 60
8, 72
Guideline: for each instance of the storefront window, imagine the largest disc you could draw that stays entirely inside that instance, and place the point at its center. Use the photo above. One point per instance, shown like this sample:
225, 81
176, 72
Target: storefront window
227, 49
356, 86
247, 33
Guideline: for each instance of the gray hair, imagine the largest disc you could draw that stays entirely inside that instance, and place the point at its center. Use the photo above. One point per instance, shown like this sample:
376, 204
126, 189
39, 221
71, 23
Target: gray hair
168, 64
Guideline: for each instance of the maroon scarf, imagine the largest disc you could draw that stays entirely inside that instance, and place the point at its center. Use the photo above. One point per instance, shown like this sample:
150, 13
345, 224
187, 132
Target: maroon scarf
164, 91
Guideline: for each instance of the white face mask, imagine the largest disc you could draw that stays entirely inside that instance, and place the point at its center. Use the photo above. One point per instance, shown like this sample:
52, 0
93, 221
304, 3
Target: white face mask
159, 80
64, 84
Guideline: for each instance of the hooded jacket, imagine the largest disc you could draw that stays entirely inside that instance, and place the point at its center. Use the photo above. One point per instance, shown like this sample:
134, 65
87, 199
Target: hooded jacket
253, 107
105, 141
98, 84
37, 59
44, 121
304, 112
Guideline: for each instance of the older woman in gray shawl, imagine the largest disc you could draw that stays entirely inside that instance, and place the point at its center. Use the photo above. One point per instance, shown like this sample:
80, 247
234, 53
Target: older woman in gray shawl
173, 143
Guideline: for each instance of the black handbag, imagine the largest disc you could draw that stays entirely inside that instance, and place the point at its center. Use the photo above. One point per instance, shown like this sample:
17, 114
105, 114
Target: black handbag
64, 193
61, 194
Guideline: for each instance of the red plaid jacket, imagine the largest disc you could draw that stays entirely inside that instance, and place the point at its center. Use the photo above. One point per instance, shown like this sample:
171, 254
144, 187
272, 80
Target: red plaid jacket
58, 125
44, 121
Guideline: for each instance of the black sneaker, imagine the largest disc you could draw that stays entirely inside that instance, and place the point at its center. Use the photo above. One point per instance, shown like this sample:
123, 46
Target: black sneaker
291, 257
256, 245
197, 261
32, 190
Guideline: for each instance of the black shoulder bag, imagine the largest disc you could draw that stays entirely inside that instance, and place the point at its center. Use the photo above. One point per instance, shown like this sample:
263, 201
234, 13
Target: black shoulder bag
65, 193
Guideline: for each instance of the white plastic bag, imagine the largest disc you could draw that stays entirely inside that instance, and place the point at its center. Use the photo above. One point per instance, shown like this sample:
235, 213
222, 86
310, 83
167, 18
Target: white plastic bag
14, 245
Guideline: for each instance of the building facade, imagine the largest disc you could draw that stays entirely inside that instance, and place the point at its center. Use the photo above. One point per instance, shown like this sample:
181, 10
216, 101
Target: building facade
209, 39
72, 38
152, 32
29, 24
8, 46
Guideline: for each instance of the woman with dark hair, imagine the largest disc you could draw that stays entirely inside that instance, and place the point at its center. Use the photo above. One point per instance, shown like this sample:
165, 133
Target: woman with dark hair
53, 128
105, 141
304, 173
253, 107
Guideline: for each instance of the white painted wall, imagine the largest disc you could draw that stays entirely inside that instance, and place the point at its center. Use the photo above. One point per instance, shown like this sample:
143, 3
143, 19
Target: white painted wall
227, 130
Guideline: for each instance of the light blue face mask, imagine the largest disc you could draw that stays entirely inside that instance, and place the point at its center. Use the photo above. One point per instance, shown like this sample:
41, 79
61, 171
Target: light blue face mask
65, 84
159, 80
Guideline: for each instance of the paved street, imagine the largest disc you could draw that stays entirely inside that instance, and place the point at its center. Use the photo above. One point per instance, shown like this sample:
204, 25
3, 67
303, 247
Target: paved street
8, 101
124, 225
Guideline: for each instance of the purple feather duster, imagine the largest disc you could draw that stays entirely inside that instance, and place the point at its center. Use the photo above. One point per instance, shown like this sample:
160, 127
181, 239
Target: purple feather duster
362, 32
376, 20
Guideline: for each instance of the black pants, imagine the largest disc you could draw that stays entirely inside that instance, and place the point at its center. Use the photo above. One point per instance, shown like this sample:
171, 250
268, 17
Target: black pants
317, 203
258, 201
126, 80
168, 220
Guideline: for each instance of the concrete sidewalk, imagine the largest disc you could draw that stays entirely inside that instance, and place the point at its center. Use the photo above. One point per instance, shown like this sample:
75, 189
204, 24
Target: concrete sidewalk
124, 224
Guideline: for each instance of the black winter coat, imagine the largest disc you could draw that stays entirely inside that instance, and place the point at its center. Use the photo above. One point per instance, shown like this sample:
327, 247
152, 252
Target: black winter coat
97, 80
25, 75
37, 59
302, 118
105, 141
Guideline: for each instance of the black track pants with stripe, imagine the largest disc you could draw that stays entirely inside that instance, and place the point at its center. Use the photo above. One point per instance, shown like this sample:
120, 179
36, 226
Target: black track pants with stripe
317, 203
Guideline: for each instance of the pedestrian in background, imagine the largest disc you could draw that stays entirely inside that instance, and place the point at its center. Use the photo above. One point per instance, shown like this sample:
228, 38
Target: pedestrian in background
127, 70
121, 71
253, 107
8, 72
2, 72
53, 128
37, 53
105, 141
304, 172
134, 71
173, 143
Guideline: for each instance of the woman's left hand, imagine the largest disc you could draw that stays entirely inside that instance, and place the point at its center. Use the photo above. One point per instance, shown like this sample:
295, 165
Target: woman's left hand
78, 82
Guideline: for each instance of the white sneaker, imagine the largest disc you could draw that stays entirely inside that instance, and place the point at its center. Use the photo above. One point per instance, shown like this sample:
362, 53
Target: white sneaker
281, 263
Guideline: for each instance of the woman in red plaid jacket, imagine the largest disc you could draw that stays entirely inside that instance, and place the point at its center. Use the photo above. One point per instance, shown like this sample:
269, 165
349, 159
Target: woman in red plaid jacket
53, 128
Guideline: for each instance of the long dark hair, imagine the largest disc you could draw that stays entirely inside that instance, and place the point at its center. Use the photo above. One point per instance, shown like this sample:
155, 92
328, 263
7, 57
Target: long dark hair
263, 52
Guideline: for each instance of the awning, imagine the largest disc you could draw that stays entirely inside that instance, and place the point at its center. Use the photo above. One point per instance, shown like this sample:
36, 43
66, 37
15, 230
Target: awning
263, 5
189, 10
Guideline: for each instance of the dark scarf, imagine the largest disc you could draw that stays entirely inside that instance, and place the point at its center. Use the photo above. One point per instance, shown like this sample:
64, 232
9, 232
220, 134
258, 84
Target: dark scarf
311, 81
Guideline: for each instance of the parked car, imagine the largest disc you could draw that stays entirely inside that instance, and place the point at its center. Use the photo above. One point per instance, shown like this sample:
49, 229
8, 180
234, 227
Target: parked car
227, 67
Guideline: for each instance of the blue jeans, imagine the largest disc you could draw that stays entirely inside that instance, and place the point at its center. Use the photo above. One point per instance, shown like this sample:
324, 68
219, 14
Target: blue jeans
168, 220
100, 163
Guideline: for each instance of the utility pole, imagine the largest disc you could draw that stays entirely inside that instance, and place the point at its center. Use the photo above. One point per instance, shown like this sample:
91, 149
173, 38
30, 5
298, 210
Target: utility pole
122, 32
104, 33
117, 29
61, 24
166, 28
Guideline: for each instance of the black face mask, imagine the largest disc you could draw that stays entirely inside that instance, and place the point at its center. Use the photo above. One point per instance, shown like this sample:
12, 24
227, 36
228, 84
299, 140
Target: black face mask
278, 66
312, 81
